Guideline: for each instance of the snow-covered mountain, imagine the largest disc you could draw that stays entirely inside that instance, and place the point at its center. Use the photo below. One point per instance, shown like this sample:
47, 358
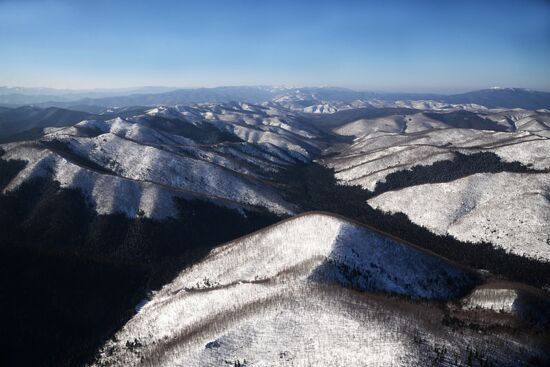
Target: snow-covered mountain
223, 153
297, 293
517, 219
477, 185
229, 153
136, 190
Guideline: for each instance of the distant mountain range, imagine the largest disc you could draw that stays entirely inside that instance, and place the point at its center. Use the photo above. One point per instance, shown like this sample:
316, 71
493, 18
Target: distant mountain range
31, 120
503, 97
24, 95
152, 96
27, 122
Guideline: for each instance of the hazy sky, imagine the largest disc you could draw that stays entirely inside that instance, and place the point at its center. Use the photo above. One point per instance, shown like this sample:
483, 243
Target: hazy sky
439, 46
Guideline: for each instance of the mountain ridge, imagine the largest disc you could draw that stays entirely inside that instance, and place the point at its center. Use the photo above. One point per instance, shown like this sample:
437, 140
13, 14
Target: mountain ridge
492, 98
226, 307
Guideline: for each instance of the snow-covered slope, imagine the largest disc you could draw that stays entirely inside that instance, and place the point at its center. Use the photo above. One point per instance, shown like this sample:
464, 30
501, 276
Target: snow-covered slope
537, 123
424, 104
228, 153
511, 298
267, 126
284, 296
426, 115
326, 247
372, 157
321, 108
222, 153
510, 210
474, 199
392, 124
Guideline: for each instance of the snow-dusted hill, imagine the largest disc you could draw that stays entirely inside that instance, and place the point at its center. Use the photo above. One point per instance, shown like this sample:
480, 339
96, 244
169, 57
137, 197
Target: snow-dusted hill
427, 115
228, 153
326, 247
284, 296
517, 218
500, 198
392, 124
221, 153
372, 157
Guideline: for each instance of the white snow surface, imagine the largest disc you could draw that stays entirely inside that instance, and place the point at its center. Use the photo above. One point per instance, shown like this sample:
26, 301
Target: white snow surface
392, 124
515, 299
314, 239
143, 178
296, 102
282, 297
321, 108
495, 299
510, 210
373, 156
143, 167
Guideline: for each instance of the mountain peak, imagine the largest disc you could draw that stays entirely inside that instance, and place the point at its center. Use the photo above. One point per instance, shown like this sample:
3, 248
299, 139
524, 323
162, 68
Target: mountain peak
289, 267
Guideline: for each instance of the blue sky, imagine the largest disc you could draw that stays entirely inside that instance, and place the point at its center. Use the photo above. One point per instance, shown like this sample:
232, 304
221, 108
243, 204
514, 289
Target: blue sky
440, 46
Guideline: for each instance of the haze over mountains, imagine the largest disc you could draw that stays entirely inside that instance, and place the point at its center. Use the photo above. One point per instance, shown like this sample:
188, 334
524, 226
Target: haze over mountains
26, 95
379, 229
146, 96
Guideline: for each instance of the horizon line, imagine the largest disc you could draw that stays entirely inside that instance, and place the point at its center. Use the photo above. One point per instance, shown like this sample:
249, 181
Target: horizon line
281, 86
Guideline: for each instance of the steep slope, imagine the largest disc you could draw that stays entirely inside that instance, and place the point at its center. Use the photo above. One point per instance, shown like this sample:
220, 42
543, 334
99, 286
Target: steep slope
516, 219
281, 297
326, 247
